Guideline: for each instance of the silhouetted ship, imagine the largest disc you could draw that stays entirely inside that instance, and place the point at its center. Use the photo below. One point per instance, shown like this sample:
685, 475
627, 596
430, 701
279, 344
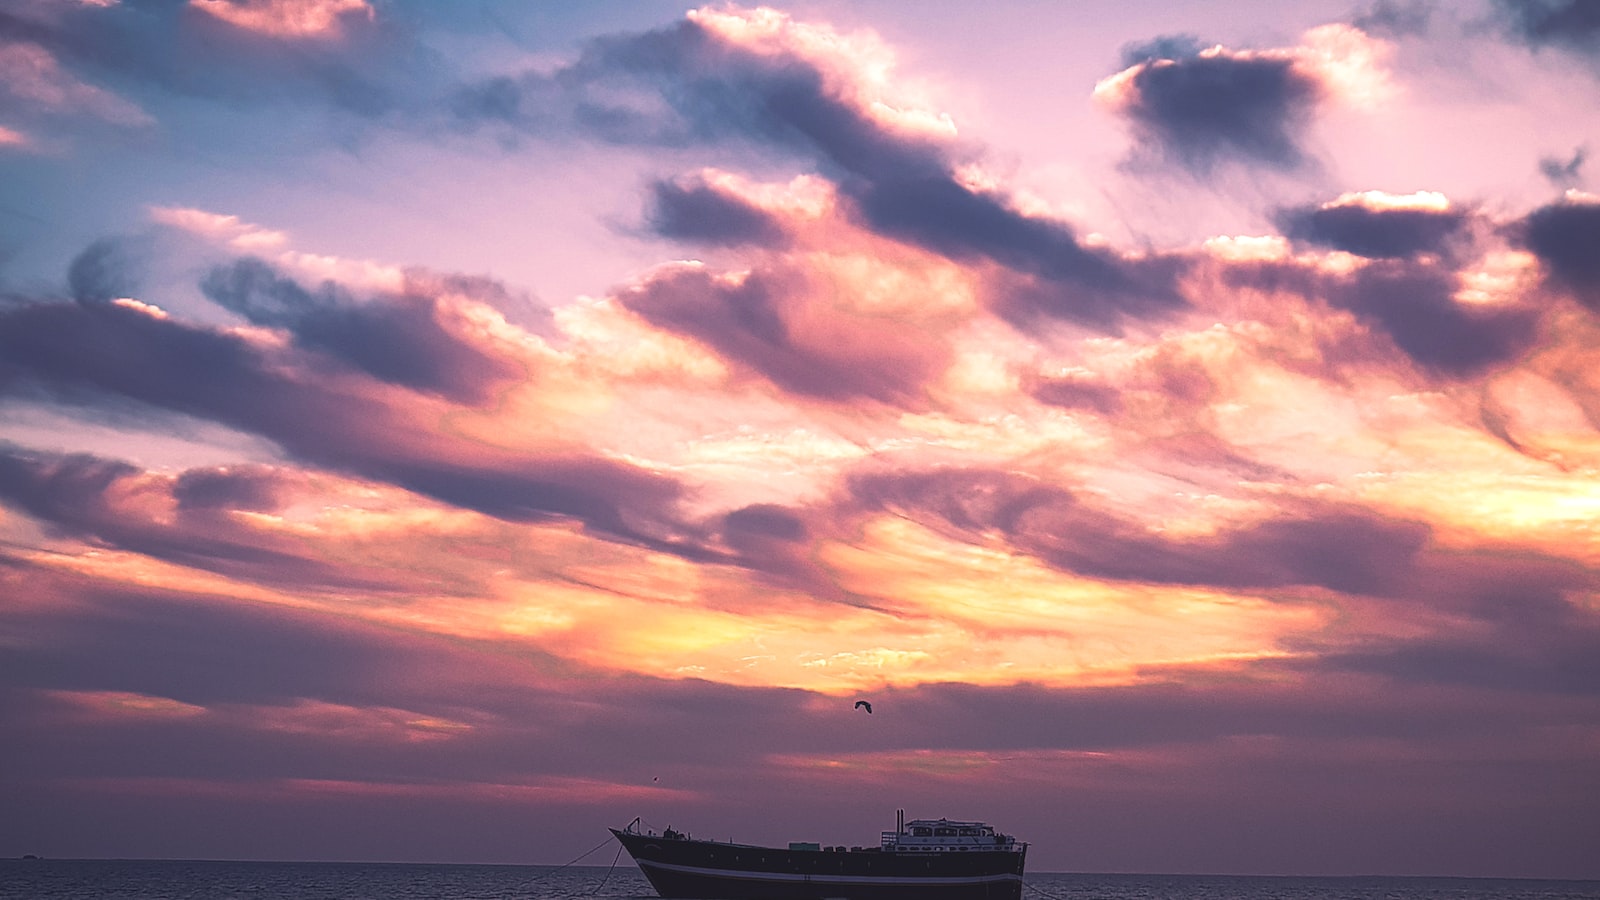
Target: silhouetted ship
924, 859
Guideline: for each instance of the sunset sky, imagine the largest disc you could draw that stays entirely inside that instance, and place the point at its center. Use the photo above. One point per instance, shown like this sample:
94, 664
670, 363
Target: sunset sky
438, 431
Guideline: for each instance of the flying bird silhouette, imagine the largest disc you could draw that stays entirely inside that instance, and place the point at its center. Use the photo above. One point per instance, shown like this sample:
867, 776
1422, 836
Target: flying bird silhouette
862, 704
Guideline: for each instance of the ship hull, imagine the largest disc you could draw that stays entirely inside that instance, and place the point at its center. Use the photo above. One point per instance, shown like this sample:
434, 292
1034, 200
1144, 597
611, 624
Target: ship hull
682, 869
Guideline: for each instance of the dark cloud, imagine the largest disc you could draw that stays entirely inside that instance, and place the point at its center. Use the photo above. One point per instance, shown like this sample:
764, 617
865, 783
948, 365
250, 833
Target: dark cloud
105, 270
86, 497
1076, 393
1561, 662
1062, 279
114, 353
1141, 288
686, 84
1502, 617
1200, 110
692, 210
1341, 548
1571, 25
1376, 233
1170, 46
1566, 238
763, 522
178, 49
249, 488
1564, 173
526, 715
1514, 628
1413, 304
1256, 747
776, 324
398, 339
1389, 18
146, 640
780, 543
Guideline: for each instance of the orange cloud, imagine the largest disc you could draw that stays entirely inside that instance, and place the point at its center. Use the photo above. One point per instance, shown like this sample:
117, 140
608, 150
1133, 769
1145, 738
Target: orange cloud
287, 18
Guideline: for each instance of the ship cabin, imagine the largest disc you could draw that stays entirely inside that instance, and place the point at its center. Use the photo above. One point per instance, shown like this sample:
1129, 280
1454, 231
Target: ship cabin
946, 835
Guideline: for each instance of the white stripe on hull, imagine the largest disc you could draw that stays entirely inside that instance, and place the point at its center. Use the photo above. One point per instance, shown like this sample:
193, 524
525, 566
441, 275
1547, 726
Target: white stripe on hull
743, 875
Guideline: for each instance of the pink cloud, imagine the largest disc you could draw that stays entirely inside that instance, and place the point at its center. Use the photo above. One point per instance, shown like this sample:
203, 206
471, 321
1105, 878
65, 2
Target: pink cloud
288, 18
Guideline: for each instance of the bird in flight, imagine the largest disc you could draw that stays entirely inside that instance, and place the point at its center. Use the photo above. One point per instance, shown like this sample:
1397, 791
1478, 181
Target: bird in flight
862, 704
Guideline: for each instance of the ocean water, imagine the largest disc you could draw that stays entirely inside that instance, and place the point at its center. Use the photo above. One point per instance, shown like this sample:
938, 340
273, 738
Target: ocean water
181, 880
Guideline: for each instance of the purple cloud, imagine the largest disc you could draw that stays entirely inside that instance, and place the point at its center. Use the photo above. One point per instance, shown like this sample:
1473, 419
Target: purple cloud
779, 325
401, 339
1571, 25
1411, 303
694, 211
1564, 237
1200, 108
109, 353
1375, 231
690, 84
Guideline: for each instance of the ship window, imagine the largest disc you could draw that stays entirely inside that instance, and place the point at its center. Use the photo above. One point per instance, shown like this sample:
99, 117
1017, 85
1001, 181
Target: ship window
944, 832
922, 832
969, 832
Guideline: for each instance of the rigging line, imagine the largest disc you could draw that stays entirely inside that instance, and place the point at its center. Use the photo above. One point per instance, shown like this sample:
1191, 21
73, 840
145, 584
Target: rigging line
608, 871
585, 853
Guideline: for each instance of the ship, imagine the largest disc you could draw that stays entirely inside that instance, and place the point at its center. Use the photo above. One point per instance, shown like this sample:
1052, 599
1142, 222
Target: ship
923, 859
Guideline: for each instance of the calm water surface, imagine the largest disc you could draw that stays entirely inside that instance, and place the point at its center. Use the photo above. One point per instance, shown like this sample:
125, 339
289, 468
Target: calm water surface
176, 880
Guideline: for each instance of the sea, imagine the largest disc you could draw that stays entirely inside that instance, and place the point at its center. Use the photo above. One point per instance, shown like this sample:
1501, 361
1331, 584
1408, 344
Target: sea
41, 879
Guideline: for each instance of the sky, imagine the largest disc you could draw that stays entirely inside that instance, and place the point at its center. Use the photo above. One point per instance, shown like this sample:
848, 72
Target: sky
437, 432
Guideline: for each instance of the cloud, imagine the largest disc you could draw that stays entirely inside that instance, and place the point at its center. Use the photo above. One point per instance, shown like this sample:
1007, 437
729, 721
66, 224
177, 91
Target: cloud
1391, 18
287, 18
116, 353
10, 137
232, 52
1570, 25
233, 231
414, 340
1564, 173
1378, 225
106, 270
1202, 107
783, 325
1347, 550
1216, 105
115, 504
1060, 278
698, 211
1418, 309
779, 542
1563, 236
1416, 304
32, 81
1558, 661
759, 77
1077, 392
